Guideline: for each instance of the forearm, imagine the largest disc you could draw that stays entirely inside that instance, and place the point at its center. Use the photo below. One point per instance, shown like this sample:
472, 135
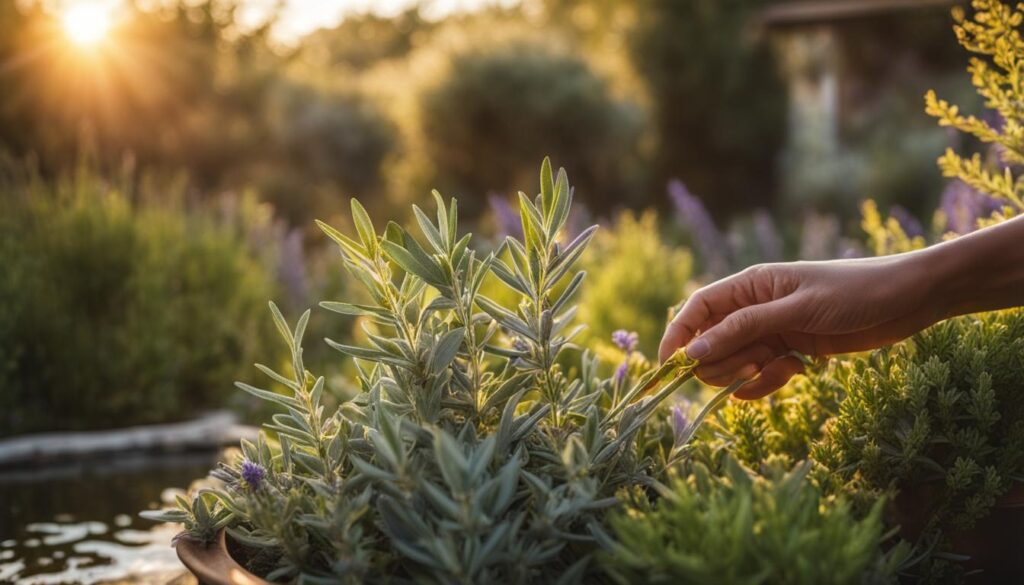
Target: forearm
982, 271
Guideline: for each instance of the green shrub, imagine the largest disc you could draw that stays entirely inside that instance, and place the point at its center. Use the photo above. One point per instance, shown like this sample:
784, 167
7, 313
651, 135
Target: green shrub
717, 103
329, 143
634, 278
361, 41
115, 314
781, 429
945, 410
471, 455
742, 528
937, 424
498, 110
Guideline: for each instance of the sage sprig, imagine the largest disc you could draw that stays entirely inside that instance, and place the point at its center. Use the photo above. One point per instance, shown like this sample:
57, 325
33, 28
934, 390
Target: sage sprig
479, 449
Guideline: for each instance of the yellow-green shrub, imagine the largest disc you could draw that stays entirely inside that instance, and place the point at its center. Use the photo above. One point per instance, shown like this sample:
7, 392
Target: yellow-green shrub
117, 313
633, 277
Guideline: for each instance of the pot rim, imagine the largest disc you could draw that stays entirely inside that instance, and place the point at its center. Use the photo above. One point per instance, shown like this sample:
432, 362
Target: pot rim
212, 564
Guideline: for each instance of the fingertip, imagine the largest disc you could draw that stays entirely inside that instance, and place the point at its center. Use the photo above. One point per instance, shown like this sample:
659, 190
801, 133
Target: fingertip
668, 343
683, 326
664, 349
674, 338
698, 348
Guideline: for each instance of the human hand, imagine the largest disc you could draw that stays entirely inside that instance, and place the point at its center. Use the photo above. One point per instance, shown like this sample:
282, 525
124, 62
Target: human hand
749, 323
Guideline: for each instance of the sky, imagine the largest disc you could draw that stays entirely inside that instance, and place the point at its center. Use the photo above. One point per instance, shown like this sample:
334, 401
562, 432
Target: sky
299, 17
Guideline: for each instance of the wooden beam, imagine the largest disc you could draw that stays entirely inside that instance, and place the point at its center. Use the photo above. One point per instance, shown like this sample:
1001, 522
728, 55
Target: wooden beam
823, 12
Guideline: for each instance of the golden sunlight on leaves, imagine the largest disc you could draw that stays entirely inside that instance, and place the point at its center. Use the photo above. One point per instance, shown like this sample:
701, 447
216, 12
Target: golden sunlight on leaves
86, 23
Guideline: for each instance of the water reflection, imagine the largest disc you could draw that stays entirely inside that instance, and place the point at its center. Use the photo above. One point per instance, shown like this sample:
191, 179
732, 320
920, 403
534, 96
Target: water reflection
80, 524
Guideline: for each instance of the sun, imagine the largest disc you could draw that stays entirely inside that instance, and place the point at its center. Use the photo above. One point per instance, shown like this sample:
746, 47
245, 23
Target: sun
86, 23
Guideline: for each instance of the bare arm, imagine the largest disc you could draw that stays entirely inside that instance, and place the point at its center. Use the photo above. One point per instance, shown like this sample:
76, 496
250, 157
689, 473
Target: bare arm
748, 323
982, 271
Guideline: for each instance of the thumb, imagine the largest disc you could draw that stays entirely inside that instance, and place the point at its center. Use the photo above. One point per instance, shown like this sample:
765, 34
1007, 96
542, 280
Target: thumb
740, 328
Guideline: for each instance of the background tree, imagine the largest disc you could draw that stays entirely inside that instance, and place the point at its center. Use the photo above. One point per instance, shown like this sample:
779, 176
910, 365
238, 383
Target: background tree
717, 105
500, 109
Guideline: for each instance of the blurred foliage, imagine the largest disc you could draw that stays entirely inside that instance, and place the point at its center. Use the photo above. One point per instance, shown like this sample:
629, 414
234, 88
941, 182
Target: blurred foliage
628, 95
362, 41
633, 277
855, 124
171, 87
326, 138
182, 86
118, 310
886, 236
499, 109
717, 104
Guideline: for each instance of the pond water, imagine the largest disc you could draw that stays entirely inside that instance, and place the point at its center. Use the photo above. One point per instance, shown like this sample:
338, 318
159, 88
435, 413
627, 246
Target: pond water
80, 523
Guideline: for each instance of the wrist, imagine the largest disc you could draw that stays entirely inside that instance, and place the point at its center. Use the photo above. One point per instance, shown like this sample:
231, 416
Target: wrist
933, 277
981, 271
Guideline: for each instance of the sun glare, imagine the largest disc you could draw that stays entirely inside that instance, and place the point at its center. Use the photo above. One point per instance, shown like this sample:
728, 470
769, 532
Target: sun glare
86, 23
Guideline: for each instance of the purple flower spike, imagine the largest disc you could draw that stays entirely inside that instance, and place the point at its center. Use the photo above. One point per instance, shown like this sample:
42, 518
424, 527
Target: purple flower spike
910, 225
694, 216
679, 421
964, 206
253, 474
621, 371
505, 216
626, 340
768, 238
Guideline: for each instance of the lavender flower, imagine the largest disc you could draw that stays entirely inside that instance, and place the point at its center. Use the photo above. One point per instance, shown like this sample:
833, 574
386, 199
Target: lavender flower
849, 248
292, 268
695, 217
505, 217
579, 219
994, 119
996, 151
964, 206
819, 236
621, 371
253, 474
626, 340
910, 225
768, 238
679, 422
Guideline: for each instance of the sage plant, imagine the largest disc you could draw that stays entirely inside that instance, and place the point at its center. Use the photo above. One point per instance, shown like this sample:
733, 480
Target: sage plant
484, 445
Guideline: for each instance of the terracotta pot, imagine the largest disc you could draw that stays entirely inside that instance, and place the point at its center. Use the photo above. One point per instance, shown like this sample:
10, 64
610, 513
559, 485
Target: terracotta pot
212, 564
995, 544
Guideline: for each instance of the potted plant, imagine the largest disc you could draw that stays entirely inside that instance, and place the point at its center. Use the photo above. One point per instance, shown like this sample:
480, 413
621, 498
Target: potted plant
479, 449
